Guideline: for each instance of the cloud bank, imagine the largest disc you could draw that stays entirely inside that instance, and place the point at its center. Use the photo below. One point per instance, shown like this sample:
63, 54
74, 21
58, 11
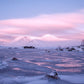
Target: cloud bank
51, 27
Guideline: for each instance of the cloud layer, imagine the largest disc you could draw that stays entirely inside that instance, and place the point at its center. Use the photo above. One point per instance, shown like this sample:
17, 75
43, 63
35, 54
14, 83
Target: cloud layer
53, 27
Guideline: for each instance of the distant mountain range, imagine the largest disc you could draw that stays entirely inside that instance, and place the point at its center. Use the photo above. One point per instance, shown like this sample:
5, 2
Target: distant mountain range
26, 41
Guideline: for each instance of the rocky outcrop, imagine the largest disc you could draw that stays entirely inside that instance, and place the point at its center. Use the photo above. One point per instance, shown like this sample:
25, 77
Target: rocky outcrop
53, 75
14, 59
31, 47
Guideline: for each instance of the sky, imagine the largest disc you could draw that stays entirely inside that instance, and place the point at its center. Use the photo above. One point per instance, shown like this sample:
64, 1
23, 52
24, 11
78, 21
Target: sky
44, 21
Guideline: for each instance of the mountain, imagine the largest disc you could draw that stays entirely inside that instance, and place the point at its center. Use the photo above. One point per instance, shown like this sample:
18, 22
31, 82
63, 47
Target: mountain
37, 43
20, 41
26, 41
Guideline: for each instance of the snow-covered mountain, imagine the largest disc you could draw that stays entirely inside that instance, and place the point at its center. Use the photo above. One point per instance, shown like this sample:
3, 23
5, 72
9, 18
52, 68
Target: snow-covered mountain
27, 41
20, 41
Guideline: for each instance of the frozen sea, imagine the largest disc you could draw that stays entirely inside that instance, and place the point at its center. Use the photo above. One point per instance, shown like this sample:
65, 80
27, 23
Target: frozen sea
33, 64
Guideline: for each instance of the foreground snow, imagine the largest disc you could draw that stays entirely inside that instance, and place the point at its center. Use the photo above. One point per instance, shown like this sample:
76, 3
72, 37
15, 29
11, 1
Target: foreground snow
73, 78
32, 65
64, 79
3, 64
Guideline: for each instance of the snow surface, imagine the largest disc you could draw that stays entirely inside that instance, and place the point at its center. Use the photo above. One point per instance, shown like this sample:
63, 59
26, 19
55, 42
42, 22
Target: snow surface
51, 74
33, 64
64, 79
3, 64
78, 78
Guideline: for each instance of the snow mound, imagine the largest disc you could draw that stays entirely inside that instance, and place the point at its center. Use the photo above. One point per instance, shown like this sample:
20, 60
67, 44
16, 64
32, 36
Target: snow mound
3, 64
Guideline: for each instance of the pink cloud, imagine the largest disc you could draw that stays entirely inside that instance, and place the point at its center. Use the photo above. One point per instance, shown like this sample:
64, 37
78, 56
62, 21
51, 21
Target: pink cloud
53, 27
75, 36
54, 23
5, 38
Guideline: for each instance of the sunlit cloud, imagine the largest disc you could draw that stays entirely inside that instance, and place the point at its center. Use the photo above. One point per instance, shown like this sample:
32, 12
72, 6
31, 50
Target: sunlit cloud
47, 27
54, 23
6, 37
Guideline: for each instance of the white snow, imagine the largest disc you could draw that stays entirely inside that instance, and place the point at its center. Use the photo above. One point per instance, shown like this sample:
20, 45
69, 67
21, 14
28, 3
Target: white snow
65, 79
73, 78
3, 64
38, 61
51, 74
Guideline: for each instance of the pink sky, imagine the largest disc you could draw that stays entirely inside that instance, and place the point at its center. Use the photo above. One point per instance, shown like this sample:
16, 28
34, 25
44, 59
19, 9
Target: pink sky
52, 27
